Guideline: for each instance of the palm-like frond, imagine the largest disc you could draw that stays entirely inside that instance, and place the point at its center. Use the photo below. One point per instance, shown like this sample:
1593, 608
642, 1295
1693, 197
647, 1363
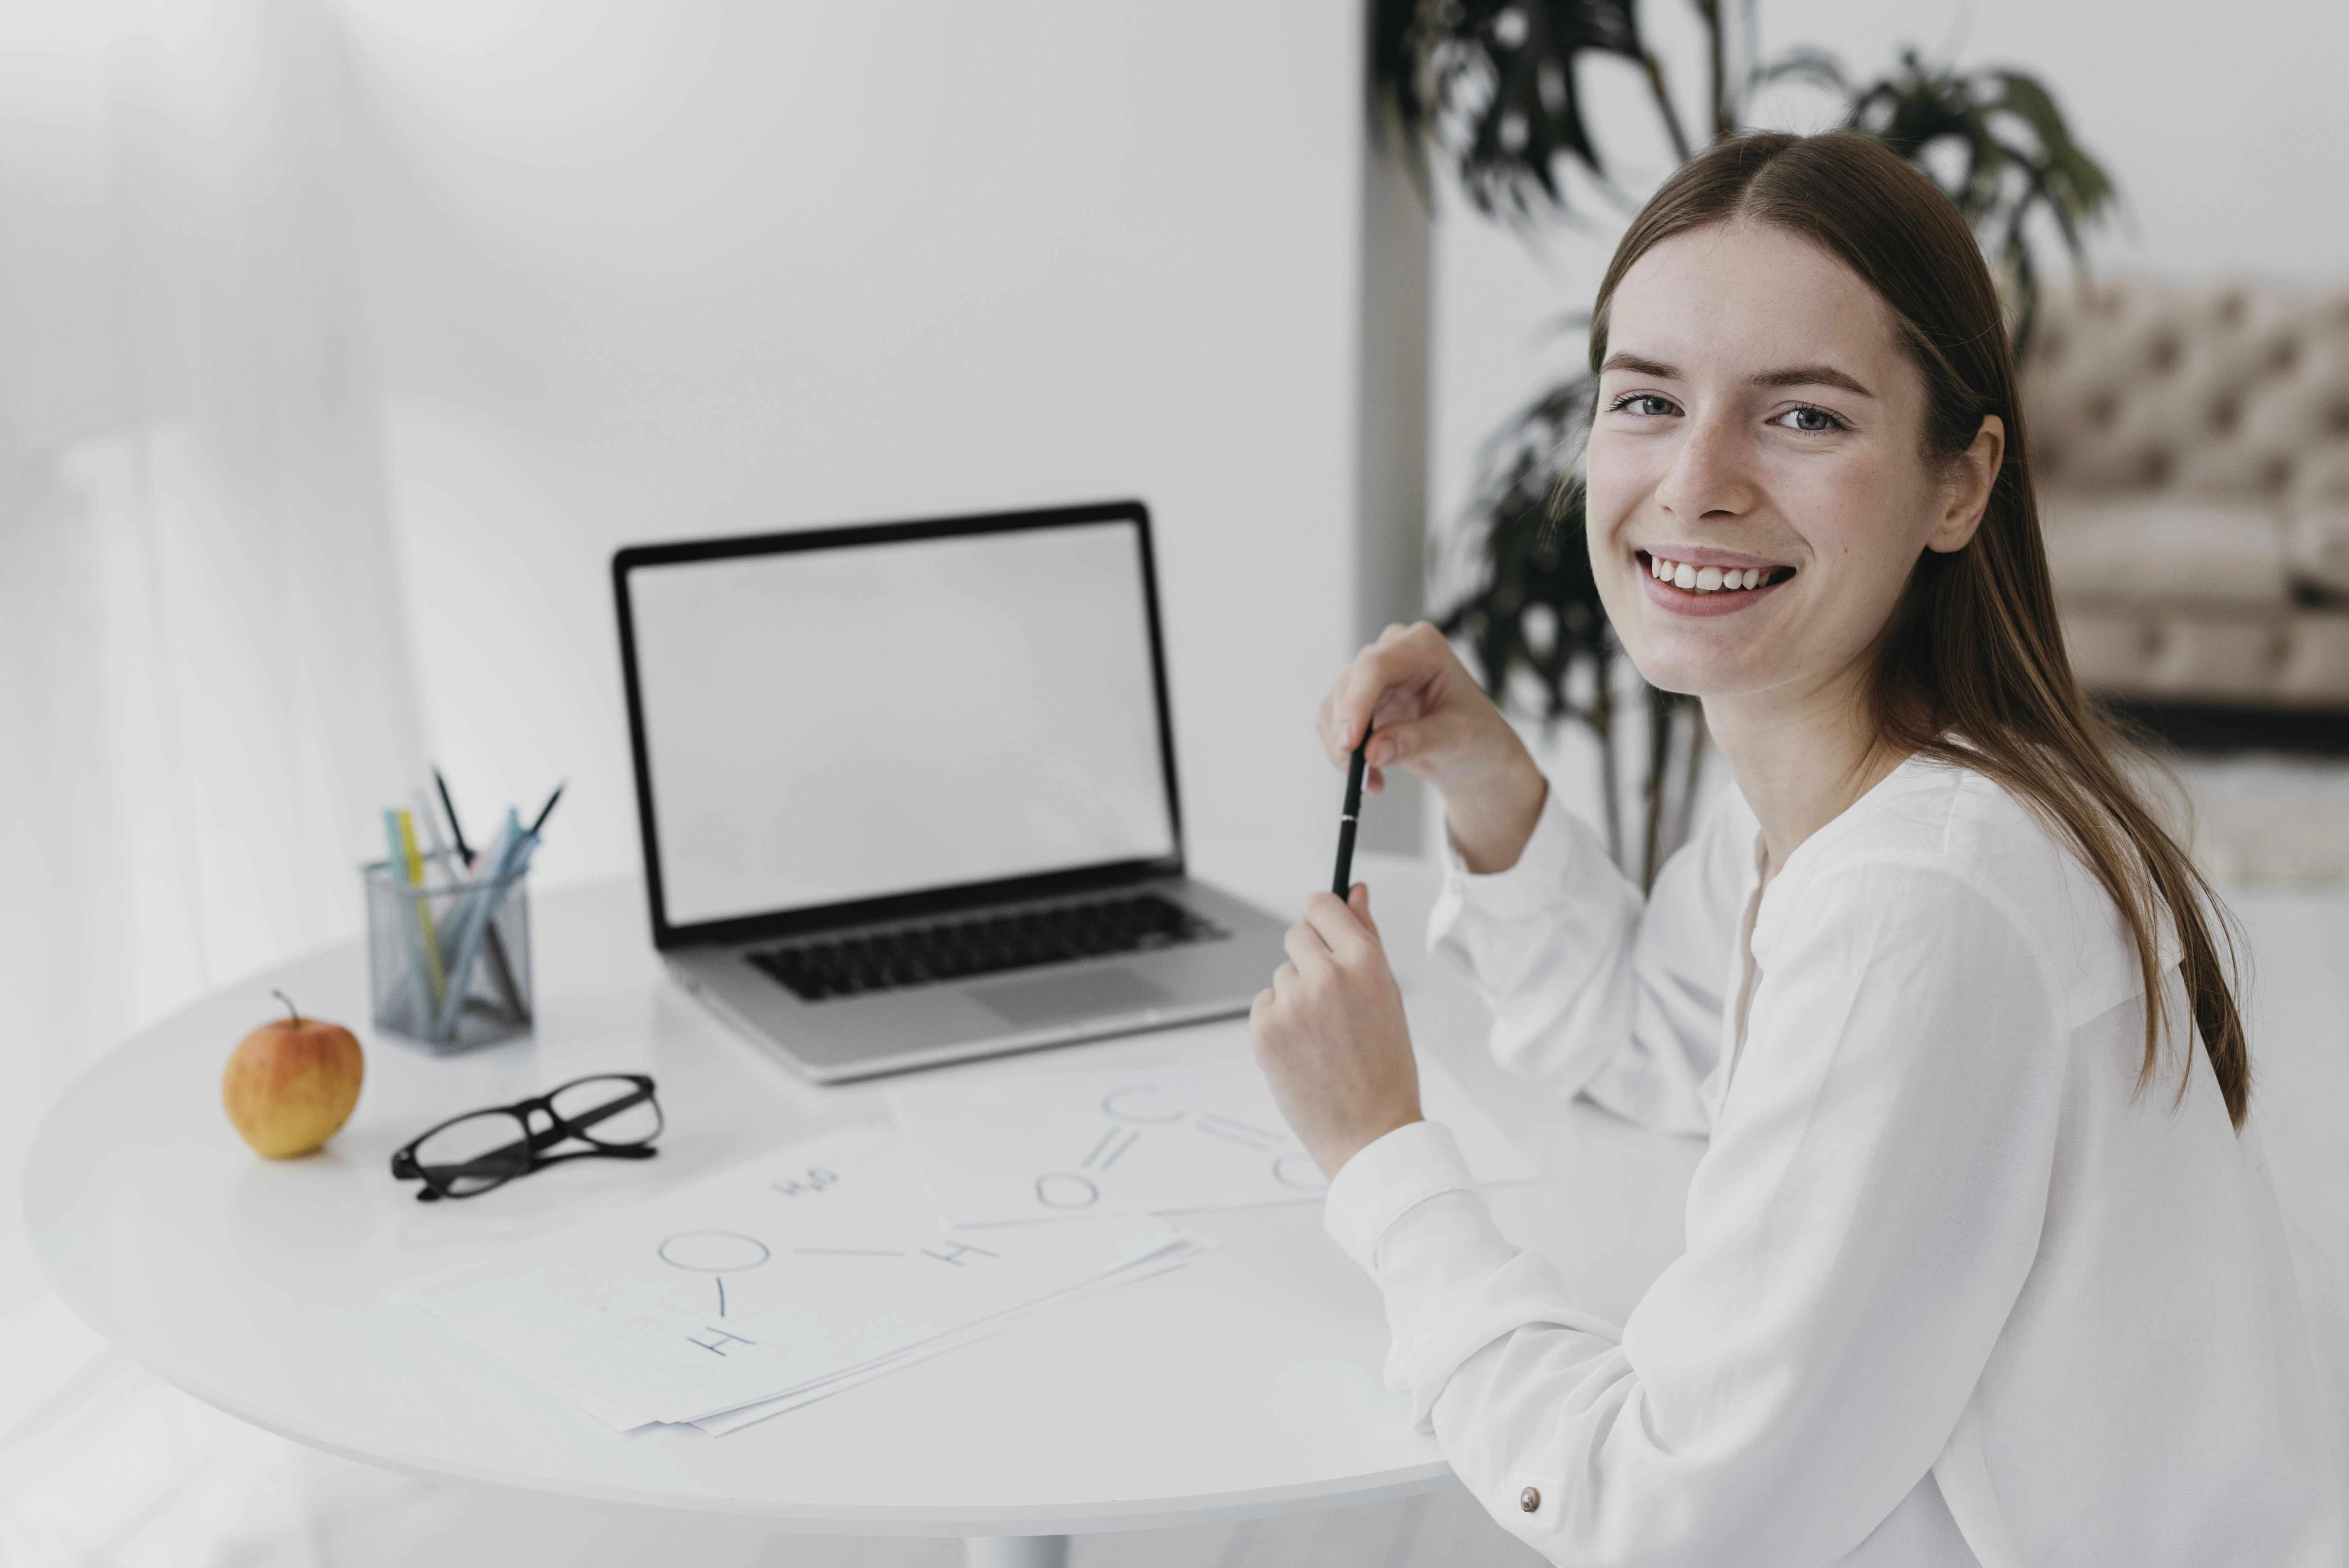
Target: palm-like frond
1534, 609
1491, 84
1997, 143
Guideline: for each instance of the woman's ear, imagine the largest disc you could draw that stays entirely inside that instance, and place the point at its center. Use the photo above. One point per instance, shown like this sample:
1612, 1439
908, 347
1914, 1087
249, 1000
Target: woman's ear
1966, 494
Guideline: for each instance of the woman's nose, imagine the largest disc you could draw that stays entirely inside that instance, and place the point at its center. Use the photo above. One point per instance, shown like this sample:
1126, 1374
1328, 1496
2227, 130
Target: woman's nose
1709, 477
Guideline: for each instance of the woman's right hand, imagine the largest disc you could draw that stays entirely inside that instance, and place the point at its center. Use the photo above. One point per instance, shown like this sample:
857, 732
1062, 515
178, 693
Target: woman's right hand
1432, 718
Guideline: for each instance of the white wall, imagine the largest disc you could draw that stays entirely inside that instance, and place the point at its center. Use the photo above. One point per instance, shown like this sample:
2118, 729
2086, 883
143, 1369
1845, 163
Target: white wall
2222, 124
638, 273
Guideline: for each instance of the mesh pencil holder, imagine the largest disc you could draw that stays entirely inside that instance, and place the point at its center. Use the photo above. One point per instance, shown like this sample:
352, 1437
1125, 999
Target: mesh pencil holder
448, 963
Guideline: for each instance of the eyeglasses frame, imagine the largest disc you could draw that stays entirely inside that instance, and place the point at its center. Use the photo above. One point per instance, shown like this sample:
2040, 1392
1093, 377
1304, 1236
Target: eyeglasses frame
535, 1141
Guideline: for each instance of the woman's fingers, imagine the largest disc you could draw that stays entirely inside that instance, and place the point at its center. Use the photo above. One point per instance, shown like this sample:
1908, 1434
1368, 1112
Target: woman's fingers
1306, 947
1335, 927
1373, 670
1325, 720
1403, 656
1404, 740
1331, 1037
1410, 689
1352, 689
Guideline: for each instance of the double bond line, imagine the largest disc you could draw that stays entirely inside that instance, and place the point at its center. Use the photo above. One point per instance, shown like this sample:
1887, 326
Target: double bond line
1113, 1143
1241, 1133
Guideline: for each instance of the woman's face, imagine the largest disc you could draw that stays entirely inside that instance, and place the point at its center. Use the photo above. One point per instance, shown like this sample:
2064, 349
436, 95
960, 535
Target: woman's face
1759, 423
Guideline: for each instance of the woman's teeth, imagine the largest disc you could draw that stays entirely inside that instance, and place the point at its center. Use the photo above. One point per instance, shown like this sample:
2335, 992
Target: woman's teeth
1704, 579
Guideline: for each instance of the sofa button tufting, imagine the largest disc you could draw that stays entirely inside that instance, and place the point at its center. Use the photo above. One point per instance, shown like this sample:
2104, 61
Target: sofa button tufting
2194, 468
1529, 1499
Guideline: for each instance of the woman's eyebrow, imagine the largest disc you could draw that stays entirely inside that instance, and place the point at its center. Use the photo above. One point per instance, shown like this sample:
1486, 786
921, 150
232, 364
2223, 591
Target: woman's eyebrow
1794, 376
1639, 366
1811, 376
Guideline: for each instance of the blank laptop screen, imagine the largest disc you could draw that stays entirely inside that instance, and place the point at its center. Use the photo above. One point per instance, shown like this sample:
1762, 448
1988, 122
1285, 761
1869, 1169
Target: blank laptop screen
826, 725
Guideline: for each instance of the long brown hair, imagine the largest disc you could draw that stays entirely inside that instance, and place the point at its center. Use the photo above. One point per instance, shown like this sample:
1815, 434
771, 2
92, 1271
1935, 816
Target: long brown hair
1971, 669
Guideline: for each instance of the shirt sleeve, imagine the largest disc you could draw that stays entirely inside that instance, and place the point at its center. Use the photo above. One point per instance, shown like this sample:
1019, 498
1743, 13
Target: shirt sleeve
1857, 1232
1592, 988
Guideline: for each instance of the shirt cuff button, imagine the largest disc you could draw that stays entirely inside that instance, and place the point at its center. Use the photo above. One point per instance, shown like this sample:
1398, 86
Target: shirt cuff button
1529, 1499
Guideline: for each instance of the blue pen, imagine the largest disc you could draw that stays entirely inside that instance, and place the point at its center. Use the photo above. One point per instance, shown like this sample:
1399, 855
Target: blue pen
476, 912
502, 970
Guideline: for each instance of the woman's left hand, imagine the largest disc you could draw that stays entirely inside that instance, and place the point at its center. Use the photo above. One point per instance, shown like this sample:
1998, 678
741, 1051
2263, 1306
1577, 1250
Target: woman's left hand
1331, 1034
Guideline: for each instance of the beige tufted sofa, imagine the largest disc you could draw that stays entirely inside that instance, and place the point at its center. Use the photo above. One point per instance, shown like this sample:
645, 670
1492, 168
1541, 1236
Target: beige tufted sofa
2192, 447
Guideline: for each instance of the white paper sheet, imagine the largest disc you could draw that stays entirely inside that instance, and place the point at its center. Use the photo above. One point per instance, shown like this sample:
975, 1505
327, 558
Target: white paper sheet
718, 1426
1204, 1134
750, 1414
834, 1263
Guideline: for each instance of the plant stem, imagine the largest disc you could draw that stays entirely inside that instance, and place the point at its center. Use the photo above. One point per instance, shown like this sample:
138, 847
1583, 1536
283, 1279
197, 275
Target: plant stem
1663, 96
289, 1005
1606, 794
1600, 717
1724, 119
1687, 813
1652, 847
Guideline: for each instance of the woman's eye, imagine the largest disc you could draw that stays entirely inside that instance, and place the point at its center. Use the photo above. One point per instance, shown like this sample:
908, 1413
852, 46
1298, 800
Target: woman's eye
1645, 404
1810, 421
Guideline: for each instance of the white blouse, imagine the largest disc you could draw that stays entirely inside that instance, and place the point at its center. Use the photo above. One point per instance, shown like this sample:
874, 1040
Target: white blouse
1955, 1293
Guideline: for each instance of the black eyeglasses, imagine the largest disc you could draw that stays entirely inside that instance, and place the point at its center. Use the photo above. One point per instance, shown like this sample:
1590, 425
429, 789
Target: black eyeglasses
614, 1114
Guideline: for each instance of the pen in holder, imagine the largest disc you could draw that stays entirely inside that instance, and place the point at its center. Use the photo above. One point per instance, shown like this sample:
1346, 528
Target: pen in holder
449, 959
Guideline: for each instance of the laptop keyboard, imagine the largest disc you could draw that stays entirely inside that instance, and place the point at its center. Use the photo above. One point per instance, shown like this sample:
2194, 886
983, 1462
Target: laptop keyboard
981, 944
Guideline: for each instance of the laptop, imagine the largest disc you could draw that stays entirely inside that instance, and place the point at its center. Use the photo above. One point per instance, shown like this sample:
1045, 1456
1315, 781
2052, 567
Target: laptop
907, 791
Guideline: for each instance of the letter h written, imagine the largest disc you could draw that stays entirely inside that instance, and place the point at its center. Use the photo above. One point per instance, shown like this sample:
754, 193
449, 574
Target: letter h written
955, 1251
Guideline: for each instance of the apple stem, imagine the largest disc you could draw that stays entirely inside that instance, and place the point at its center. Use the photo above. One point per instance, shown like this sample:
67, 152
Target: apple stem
289, 1005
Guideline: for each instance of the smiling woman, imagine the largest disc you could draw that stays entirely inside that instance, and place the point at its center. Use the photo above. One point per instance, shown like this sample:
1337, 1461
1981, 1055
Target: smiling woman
1984, 1265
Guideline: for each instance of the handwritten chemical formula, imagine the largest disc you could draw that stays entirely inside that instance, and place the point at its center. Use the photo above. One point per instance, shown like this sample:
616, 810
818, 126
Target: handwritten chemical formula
1024, 1148
829, 1262
1132, 1112
738, 1256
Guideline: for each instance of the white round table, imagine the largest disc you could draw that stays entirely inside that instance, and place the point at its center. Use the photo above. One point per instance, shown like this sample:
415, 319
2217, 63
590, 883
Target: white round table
1245, 1383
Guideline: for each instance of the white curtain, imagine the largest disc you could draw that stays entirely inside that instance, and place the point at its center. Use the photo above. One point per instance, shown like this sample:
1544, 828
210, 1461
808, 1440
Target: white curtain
204, 678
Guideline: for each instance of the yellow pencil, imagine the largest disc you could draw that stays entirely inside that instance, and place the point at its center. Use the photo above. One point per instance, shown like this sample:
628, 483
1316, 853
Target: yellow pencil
423, 907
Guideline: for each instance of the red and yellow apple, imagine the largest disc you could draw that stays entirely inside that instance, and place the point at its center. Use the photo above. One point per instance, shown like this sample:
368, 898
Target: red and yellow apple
290, 1083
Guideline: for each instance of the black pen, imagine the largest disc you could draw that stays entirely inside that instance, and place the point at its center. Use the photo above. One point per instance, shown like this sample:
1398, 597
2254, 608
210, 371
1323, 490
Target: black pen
456, 830
501, 973
1343, 883
546, 810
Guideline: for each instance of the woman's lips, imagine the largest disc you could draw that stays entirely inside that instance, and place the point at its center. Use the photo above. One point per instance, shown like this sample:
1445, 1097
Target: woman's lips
1714, 585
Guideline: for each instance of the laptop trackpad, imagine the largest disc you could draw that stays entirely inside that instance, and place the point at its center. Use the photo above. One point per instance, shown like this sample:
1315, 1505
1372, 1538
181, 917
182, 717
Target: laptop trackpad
1065, 998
